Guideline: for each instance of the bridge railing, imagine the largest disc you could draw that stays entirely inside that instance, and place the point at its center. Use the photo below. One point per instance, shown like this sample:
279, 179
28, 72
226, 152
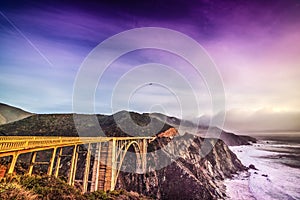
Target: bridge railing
15, 143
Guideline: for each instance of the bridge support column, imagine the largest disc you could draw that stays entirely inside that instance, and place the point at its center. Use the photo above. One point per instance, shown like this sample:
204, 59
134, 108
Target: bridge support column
58, 162
96, 166
13, 163
73, 166
87, 168
113, 166
144, 156
52, 159
32, 161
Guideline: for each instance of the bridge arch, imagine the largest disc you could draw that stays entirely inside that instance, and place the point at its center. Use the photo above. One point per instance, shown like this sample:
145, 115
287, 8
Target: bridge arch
121, 154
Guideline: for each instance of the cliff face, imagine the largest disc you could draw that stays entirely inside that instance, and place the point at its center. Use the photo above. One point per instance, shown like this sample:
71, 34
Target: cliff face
188, 174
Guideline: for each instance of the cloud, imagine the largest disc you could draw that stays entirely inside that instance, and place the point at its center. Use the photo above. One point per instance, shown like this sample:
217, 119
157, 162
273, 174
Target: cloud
267, 119
255, 45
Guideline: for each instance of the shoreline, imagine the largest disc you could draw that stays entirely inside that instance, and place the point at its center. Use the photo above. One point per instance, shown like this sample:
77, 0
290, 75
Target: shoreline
272, 179
237, 188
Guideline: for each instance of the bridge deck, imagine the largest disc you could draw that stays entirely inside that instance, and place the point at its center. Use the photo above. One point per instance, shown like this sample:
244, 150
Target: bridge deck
10, 144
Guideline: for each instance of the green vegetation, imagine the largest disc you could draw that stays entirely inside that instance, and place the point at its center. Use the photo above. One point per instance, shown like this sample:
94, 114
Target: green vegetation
47, 188
36, 187
63, 125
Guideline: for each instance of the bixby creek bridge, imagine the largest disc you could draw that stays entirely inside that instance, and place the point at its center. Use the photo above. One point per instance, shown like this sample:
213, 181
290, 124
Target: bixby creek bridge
102, 157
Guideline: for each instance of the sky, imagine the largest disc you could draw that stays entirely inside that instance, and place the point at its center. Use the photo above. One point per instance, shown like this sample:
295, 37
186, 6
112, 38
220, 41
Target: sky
255, 46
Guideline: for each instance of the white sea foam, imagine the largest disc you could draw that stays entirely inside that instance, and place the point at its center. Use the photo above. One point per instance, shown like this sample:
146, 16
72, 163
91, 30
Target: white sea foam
272, 180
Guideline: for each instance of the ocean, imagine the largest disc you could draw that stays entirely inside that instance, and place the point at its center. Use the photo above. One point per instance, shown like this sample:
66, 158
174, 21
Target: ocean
286, 146
277, 159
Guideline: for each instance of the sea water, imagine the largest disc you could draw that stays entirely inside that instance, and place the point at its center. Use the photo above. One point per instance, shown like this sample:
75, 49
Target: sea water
277, 159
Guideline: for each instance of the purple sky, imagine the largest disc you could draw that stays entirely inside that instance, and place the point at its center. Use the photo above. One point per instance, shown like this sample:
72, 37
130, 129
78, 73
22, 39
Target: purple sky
255, 46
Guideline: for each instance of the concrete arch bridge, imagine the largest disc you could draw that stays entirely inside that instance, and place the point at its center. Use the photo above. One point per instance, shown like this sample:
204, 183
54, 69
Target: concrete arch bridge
100, 158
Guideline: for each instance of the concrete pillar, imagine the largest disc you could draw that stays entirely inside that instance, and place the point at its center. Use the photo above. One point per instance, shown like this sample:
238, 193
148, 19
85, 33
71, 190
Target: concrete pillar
96, 165
144, 156
51, 164
13, 163
113, 165
32, 161
58, 162
87, 168
73, 166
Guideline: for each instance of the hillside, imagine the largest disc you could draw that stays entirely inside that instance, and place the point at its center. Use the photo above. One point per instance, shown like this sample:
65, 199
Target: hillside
10, 114
169, 160
63, 125
186, 126
232, 139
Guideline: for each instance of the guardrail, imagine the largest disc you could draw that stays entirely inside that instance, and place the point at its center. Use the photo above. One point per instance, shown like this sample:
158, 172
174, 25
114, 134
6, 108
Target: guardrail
17, 143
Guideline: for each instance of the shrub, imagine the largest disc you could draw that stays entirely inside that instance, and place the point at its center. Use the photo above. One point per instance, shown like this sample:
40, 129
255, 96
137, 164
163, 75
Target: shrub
16, 187
16, 192
97, 195
49, 187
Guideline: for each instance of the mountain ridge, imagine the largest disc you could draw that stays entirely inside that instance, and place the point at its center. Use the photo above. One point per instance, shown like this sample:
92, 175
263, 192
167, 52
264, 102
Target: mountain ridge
122, 123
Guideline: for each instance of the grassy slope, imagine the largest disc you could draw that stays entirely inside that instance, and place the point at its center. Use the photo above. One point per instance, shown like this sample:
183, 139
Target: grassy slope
63, 125
9, 114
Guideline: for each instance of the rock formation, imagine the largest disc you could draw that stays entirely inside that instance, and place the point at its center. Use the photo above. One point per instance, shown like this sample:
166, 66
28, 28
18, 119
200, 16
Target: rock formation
189, 173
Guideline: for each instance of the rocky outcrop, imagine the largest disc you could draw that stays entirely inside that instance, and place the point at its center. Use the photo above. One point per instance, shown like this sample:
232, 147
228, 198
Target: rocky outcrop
189, 172
170, 133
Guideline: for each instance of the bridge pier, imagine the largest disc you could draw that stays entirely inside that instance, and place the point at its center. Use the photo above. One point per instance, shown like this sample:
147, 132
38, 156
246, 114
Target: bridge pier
144, 155
58, 162
87, 168
52, 159
73, 166
13, 163
32, 161
96, 166
113, 165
